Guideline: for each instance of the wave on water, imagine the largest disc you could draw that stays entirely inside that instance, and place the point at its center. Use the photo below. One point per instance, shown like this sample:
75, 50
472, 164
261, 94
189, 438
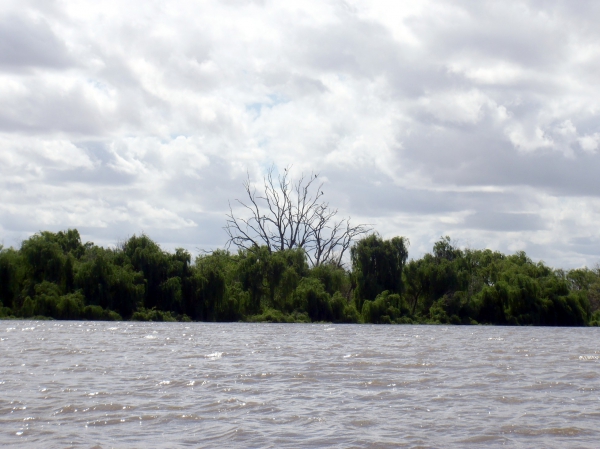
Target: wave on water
290, 386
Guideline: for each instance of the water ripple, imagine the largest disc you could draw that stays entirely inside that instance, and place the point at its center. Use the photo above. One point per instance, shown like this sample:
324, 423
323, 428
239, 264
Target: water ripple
256, 385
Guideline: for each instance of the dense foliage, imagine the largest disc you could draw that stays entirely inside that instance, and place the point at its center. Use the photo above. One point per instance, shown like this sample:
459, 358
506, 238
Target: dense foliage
55, 275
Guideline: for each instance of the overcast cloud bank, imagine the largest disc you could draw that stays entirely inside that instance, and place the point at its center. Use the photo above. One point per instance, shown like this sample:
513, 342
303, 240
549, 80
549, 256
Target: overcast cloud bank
479, 120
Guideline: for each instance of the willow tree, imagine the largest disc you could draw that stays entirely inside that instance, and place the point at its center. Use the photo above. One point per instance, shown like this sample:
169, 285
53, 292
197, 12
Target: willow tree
290, 214
377, 265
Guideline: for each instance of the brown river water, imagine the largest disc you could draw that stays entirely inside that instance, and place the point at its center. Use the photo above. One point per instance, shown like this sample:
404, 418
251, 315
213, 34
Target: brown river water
164, 385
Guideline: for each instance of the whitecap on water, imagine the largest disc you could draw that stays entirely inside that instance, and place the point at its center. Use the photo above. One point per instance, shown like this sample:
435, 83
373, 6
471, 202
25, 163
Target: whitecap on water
150, 337
214, 355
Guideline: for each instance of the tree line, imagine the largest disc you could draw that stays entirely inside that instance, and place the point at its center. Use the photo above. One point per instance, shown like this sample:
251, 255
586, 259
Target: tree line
56, 275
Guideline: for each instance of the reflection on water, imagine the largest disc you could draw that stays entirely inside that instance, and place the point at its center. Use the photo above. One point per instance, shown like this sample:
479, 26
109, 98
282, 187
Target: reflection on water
293, 385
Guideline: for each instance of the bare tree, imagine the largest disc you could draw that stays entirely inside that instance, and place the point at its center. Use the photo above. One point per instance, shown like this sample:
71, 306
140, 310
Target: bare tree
289, 214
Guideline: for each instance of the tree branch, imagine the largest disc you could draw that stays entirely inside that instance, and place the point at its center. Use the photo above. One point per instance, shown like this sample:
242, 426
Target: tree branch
291, 214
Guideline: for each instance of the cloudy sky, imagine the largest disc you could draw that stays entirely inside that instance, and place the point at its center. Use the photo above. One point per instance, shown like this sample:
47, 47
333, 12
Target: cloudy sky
479, 120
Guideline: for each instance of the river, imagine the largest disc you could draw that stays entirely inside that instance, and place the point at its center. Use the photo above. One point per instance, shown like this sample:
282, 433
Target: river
164, 385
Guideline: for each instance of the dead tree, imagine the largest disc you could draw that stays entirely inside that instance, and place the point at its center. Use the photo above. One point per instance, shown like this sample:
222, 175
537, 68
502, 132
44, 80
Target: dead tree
289, 214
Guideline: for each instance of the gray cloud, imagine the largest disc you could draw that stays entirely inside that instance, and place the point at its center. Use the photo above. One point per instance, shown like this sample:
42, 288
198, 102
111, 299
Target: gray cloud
28, 43
506, 222
474, 119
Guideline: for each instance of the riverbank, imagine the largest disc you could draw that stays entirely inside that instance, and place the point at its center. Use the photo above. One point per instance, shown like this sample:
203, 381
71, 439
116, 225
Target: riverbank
55, 275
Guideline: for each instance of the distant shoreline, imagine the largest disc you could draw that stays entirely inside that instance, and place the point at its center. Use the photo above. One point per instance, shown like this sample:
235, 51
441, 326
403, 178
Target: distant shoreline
56, 276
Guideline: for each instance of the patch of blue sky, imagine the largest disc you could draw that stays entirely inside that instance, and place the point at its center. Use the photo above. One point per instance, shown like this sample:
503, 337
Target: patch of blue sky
277, 99
263, 142
255, 108
267, 165
99, 85
173, 136
274, 100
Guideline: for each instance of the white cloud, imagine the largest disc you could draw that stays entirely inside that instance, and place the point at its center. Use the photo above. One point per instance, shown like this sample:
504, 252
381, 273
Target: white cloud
474, 119
17, 153
528, 139
495, 73
590, 143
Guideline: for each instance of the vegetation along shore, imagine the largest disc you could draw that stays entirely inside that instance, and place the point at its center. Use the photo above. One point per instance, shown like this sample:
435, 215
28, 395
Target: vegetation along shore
55, 275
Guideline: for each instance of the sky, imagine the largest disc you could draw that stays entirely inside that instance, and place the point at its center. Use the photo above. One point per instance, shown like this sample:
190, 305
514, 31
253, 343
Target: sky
477, 120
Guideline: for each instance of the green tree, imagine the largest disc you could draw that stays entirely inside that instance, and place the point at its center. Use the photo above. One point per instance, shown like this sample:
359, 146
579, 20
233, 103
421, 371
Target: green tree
310, 296
44, 258
11, 276
416, 282
377, 266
